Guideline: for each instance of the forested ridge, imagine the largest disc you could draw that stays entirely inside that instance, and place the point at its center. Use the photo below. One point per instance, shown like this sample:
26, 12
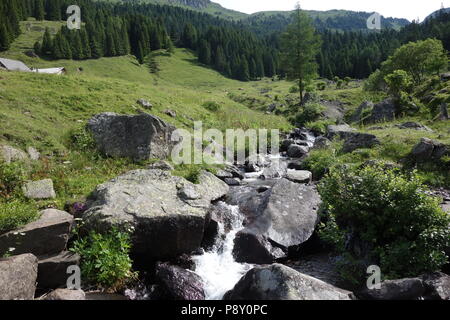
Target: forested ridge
242, 50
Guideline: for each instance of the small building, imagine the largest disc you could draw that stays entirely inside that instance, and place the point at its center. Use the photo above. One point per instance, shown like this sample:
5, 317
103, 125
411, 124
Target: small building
13, 65
57, 71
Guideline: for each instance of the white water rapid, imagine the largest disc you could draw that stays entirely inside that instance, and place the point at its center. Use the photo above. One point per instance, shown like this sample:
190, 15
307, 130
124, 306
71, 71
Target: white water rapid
218, 269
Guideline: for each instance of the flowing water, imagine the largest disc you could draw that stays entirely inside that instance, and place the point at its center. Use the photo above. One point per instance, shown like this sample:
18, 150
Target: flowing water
217, 267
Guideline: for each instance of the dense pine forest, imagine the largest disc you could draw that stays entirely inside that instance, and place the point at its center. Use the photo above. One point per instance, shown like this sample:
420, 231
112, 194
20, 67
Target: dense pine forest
243, 50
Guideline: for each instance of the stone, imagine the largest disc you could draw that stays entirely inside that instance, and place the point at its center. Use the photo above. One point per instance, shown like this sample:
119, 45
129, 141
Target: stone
161, 165
359, 113
437, 286
383, 111
232, 181
178, 283
278, 282
299, 176
145, 104
18, 277
321, 143
52, 270
65, 294
414, 126
168, 213
296, 151
33, 153
42, 189
401, 289
140, 137
46, 236
170, 113
341, 131
359, 141
427, 150
279, 218
9, 154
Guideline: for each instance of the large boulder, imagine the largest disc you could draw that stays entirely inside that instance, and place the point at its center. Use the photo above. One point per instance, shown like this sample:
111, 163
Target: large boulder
46, 236
277, 219
9, 154
357, 140
437, 286
178, 283
139, 137
401, 289
299, 176
167, 213
341, 131
278, 282
66, 294
18, 277
413, 126
52, 270
359, 113
427, 150
41, 189
296, 151
383, 111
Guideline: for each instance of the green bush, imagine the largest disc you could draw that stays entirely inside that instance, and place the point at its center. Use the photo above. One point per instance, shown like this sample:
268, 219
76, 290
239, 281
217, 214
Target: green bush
319, 161
294, 89
105, 260
309, 113
404, 229
12, 176
321, 85
319, 126
16, 213
81, 139
211, 106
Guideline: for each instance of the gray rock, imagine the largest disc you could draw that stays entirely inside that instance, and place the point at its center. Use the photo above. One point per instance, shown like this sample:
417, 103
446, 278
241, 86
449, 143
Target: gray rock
383, 111
437, 285
144, 103
33, 153
359, 141
178, 283
358, 115
52, 270
445, 76
140, 137
46, 236
414, 126
18, 277
427, 150
9, 154
341, 131
299, 176
296, 151
402, 289
42, 189
66, 294
167, 221
161, 165
282, 217
170, 113
232, 181
321, 143
278, 282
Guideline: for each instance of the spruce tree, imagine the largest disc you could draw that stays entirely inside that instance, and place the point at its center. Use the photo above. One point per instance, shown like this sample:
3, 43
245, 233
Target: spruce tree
39, 12
47, 43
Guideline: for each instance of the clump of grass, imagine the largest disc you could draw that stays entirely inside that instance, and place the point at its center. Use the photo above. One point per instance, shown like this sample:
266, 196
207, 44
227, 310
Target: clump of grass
16, 213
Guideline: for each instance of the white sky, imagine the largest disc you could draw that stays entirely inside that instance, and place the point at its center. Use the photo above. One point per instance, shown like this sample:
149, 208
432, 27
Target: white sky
409, 9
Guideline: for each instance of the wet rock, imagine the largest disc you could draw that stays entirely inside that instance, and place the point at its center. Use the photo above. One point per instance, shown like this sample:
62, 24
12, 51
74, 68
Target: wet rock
66, 294
296, 151
359, 141
232, 181
251, 247
46, 236
178, 283
145, 104
9, 154
168, 213
52, 270
299, 176
278, 282
402, 289
140, 137
437, 286
42, 189
18, 277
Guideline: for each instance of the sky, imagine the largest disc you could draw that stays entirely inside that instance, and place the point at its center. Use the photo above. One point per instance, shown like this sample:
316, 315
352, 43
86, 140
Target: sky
408, 9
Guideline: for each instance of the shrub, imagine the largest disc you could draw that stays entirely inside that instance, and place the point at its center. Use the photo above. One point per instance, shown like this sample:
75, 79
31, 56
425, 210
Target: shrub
294, 89
403, 230
310, 112
375, 82
211, 106
81, 139
321, 85
319, 126
16, 213
105, 259
12, 176
319, 161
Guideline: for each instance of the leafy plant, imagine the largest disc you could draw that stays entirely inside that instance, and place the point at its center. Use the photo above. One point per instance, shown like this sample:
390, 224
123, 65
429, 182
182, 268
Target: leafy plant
81, 139
12, 176
16, 213
105, 259
309, 113
403, 229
